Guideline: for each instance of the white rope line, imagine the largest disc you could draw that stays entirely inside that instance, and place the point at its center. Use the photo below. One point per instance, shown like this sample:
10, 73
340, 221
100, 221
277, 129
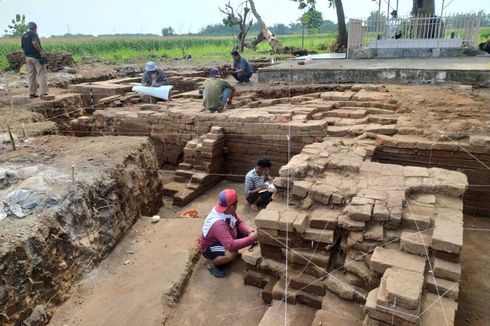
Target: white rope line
464, 149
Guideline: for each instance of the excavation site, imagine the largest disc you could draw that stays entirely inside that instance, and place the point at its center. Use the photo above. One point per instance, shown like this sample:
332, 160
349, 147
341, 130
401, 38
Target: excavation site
379, 212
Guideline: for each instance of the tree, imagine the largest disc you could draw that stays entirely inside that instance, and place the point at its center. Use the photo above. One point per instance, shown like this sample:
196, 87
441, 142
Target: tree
239, 19
313, 20
265, 33
423, 7
341, 26
17, 27
168, 31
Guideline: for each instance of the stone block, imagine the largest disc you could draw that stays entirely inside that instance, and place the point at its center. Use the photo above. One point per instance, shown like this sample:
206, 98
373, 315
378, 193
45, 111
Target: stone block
374, 232
323, 218
447, 236
449, 214
301, 187
271, 252
337, 284
304, 256
449, 202
415, 220
357, 268
307, 283
438, 311
300, 223
446, 288
415, 243
278, 241
345, 222
267, 219
361, 212
362, 201
374, 311
278, 293
400, 287
252, 257
267, 292
384, 258
273, 266
255, 279
380, 211
447, 270
286, 221
310, 300
354, 238
414, 171
446, 256
323, 236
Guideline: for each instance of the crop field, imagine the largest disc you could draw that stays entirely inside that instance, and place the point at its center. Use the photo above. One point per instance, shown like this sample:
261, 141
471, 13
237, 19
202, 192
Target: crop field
124, 49
120, 49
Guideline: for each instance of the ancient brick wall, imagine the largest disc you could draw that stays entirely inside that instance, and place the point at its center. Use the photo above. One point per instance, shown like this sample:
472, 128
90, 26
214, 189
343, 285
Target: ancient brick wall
469, 158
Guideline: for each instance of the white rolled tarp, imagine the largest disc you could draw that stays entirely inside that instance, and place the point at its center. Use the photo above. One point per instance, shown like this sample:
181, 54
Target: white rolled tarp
163, 92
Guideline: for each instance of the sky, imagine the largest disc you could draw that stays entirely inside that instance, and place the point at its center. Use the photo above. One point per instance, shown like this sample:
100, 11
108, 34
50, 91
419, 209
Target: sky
57, 17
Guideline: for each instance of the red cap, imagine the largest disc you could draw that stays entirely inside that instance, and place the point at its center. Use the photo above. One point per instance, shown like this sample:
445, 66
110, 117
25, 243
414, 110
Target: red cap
226, 198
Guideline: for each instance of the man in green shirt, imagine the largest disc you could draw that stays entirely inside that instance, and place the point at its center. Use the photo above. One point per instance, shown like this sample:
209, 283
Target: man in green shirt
217, 92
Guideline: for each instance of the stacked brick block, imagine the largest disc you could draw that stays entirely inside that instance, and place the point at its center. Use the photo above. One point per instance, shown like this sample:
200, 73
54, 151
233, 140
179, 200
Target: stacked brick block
55, 61
416, 151
386, 236
201, 168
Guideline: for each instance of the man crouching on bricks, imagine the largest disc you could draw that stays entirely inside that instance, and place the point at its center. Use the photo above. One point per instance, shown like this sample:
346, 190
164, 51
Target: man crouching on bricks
224, 233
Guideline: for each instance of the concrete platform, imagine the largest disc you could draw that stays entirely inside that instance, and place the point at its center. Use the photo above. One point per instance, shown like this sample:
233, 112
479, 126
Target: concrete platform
465, 70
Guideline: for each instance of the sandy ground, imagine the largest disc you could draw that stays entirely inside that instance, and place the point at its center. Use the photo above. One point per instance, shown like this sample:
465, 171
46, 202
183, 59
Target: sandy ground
129, 287
474, 295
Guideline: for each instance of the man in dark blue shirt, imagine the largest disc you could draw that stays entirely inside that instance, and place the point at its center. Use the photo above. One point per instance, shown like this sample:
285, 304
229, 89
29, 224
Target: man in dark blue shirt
35, 62
242, 71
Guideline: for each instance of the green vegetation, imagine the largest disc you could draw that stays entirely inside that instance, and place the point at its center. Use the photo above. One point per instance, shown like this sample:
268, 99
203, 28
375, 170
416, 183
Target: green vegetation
118, 49
127, 49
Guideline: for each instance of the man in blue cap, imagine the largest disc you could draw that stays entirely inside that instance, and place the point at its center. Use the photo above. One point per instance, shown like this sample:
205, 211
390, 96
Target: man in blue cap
153, 77
35, 62
217, 92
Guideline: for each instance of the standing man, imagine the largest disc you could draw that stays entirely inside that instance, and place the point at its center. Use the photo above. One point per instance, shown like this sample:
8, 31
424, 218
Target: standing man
224, 233
35, 61
242, 71
217, 92
256, 189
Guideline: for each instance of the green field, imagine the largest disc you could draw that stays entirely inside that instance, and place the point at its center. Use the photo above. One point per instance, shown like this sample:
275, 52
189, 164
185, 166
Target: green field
123, 49
118, 49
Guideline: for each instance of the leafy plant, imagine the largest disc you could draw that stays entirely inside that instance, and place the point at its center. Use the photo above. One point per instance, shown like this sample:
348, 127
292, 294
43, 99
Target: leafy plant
17, 27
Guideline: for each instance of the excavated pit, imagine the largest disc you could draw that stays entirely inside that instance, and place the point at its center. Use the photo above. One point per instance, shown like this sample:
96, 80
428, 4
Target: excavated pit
175, 150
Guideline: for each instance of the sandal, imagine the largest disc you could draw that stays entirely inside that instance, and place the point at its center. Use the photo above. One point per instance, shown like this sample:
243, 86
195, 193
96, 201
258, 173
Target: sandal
216, 271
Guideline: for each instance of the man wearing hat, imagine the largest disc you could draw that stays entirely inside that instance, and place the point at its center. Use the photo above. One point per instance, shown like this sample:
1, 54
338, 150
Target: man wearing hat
35, 62
224, 233
153, 77
217, 92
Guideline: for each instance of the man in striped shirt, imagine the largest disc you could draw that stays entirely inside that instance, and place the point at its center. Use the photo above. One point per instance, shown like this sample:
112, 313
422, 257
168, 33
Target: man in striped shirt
224, 233
257, 192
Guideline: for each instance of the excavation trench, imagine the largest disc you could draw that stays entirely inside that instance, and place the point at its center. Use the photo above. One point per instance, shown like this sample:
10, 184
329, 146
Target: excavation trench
129, 155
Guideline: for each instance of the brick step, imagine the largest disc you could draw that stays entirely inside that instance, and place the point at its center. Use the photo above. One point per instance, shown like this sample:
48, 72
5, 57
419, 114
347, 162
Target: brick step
346, 113
337, 283
368, 104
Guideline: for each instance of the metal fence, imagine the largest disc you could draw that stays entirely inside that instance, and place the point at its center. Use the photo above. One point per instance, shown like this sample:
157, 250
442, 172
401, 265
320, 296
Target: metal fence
415, 32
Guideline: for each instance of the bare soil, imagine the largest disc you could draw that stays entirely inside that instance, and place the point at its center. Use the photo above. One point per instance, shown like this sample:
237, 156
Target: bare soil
130, 286
474, 295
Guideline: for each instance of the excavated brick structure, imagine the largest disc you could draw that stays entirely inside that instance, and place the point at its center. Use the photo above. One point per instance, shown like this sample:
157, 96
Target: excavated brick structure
385, 236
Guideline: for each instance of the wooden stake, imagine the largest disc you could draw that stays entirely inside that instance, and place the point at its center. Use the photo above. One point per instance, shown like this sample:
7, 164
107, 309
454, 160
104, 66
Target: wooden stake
73, 173
11, 137
24, 133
